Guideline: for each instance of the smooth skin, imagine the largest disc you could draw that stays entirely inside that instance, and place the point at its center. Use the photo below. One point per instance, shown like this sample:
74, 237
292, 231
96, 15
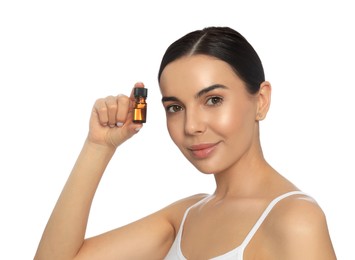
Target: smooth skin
214, 121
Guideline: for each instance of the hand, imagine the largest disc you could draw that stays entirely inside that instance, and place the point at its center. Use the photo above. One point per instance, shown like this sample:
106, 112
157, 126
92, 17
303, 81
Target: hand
111, 120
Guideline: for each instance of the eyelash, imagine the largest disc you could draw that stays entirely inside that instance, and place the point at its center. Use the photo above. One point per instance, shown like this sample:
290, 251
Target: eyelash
216, 101
173, 107
213, 99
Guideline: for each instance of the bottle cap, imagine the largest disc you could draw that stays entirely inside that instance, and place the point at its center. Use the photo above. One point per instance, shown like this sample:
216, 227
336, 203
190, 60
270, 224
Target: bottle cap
140, 92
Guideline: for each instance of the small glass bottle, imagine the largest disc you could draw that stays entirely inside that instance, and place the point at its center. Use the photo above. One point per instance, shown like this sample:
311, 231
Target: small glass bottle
140, 106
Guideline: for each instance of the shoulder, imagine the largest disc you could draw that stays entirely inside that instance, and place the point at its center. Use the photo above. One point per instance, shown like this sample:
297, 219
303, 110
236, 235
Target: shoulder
298, 214
186, 202
299, 229
176, 210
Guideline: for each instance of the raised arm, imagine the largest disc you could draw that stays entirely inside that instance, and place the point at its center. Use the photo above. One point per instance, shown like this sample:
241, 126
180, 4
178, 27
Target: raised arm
64, 236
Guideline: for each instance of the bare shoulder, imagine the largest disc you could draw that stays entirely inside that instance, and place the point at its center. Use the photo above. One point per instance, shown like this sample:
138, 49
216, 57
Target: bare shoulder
299, 229
176, 210
188, 201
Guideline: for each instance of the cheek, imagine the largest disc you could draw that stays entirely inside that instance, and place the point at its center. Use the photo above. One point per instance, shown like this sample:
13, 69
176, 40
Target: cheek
233, 120
174, 131
227, 119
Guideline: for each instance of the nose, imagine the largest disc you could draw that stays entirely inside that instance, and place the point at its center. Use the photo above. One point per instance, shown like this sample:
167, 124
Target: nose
195, 122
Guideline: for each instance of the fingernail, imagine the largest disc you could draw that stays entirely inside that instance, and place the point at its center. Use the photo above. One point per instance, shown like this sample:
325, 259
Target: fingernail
137, 129
119, 124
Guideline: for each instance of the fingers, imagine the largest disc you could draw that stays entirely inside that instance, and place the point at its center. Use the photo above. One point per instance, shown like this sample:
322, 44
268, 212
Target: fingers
111, 121
112, 110
112, 105
122, 110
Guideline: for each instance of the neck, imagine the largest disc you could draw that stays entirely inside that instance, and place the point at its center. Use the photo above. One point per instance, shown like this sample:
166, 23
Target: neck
249, 176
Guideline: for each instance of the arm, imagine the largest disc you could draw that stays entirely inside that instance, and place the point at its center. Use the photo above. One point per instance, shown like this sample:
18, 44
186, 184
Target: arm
63, 237
65, 230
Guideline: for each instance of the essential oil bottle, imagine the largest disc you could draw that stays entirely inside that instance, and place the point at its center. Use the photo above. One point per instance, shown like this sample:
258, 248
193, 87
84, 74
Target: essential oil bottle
140, 106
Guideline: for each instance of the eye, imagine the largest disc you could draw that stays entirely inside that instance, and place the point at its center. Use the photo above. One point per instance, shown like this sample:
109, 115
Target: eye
173, 108
214, 101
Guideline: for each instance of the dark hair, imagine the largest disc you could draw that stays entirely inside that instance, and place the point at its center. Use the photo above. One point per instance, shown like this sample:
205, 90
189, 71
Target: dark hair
225, 44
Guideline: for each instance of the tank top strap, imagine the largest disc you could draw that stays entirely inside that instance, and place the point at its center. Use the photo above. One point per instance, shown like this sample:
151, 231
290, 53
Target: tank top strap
188, 209
265, 214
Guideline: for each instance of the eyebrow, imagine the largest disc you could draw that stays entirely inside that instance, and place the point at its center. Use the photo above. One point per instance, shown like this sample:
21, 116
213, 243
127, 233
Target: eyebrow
198, 94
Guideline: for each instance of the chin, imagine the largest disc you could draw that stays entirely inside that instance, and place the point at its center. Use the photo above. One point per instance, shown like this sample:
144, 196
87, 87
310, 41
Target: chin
204, 168
206, 172
205, 165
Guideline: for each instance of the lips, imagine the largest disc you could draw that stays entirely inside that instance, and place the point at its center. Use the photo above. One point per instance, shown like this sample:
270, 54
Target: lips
202, 151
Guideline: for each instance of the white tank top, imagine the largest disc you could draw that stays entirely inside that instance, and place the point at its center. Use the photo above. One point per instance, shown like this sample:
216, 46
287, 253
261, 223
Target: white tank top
175, 252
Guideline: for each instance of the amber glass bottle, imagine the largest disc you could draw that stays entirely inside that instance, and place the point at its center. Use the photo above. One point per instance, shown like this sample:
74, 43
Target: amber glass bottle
140, 106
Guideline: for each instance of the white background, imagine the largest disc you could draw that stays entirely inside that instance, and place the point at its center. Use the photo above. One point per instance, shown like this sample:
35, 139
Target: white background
57, 57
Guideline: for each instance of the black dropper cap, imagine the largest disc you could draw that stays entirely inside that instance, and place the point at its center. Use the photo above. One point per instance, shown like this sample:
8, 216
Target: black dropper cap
140, 92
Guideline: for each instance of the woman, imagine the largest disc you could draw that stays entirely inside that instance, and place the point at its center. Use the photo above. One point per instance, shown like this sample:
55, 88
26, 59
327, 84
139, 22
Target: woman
214, 93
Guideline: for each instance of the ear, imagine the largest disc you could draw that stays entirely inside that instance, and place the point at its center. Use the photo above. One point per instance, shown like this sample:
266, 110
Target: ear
264, 100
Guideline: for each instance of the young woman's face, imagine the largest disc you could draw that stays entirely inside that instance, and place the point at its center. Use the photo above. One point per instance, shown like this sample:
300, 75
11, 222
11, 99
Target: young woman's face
210, 115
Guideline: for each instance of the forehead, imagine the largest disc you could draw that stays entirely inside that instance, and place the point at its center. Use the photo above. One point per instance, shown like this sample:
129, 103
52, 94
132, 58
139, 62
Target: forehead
196, 72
